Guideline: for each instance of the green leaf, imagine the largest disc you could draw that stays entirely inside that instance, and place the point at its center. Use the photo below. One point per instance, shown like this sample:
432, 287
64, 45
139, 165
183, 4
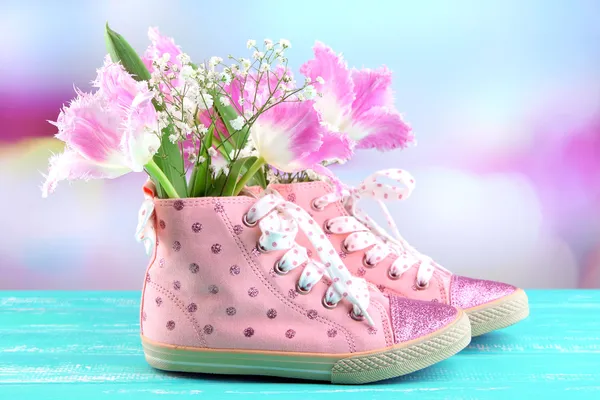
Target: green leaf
217, 185
234, 173
121, 51
201, 175
259, 179
227, 113
168, 158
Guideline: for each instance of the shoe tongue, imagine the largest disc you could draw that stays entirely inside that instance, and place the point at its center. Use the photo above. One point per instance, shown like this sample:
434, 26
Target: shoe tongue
302, 193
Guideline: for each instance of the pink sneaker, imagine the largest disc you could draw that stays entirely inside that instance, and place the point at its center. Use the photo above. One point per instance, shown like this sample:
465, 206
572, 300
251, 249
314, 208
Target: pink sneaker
229, 291
391, 263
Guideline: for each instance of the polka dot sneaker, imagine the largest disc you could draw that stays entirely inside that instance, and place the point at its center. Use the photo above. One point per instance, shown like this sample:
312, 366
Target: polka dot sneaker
230, 291
389, 262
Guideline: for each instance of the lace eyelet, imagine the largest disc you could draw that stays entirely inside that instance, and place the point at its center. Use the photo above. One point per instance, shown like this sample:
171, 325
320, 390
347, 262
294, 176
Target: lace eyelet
301, 290
421, 286
366, 262
248, 223
393, 276
327, 305
355, 316
345, 248
326, 227
314, 206
278, 270
260, 248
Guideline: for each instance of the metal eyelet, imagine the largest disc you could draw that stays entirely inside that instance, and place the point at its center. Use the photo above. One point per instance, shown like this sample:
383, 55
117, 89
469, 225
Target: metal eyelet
420, 286
260, 248
248, 223
366, 262
344, 247
356, 317
393, 276
278, 270
301, 290
328, 305
314, 206
326, 227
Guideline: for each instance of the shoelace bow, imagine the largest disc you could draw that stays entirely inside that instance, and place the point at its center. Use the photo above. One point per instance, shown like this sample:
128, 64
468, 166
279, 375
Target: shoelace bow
366, 233
279, 221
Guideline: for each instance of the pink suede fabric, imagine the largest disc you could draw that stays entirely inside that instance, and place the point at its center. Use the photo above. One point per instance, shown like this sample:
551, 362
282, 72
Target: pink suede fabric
439, 287
208, 286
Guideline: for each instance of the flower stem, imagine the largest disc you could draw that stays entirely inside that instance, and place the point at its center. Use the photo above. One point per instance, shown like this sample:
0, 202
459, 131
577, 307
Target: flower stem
154, 171
249, 174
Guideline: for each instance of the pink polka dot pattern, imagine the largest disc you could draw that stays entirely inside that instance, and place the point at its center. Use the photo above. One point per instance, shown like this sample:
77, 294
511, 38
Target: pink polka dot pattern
176, 285
144, 316
312, 314
381, 287
161, 263
435, 301
194, 268
147, 277
291, 197
255, 252
214, 289
234, 270
171, 325
208, 329
192, 307
361, 271
196, 227
292, 294
271, 313
248, 332
238, 229
176, 246
178, 205
253, 292
372, 331
290, 333
158, 301
219, 208
162, 224
216, 248
230, 311
331, 333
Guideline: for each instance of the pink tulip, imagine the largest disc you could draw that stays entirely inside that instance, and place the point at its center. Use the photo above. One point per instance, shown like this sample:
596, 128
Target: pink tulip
357, 103
107, 133
160, 45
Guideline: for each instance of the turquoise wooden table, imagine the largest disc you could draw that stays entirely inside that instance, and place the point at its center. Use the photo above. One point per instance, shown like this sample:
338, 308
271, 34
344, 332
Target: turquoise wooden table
86, 345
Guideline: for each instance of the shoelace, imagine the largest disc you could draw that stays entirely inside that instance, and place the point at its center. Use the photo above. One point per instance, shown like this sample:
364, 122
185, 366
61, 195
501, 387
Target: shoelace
365, 233
279, 221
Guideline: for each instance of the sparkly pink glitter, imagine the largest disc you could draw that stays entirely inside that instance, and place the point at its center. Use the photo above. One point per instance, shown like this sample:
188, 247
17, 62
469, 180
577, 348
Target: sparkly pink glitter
238, 229
192, 307
216, 248
312, 314
171, 325
194, 268
331, 333
414, 318
234, 270
178, 205
253, 292
290, 333
176, 246
196, 227
271, 313
468, 292
219, 208
248, 332
208, 329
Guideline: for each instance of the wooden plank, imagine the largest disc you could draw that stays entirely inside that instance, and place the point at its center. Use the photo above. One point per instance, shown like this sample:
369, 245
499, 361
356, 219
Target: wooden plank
85, 345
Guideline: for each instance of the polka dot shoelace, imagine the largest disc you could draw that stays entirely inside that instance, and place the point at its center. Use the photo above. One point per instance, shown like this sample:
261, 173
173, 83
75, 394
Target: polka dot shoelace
365, 233
279, 221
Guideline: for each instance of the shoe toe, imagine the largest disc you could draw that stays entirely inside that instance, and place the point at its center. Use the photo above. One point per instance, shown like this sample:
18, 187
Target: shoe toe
467, 293
412, 319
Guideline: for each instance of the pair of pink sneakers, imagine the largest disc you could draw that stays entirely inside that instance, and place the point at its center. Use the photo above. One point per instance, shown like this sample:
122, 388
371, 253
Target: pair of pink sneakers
296, 281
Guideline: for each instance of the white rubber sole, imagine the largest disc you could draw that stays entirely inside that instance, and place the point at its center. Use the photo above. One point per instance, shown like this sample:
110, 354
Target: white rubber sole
498, 314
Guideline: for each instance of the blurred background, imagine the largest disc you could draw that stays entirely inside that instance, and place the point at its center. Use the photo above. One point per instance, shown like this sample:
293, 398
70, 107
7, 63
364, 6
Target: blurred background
504, 97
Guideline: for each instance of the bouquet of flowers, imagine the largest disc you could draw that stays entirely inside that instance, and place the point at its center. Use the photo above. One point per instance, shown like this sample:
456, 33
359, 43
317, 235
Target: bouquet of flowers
211, 128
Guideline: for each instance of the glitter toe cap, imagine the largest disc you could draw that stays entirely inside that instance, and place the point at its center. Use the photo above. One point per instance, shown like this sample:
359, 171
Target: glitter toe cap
412, 319
468, 292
